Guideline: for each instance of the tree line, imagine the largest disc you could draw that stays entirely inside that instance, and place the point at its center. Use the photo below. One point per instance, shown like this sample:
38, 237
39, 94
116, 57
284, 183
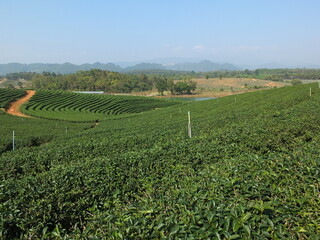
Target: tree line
176, 82
102, 80
93, 80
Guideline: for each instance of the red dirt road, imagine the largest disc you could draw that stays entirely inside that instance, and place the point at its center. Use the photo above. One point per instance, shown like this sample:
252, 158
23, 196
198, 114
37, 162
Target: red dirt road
14, 108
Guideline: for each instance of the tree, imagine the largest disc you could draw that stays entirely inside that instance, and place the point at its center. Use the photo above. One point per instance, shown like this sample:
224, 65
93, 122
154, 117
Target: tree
161, 85
9, 85
192, 86
180, 87
185, 87
20, 84
171, 86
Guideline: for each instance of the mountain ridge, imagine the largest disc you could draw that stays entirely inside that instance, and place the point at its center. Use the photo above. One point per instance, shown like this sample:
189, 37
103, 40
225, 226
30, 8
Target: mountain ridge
66, 68
199, 66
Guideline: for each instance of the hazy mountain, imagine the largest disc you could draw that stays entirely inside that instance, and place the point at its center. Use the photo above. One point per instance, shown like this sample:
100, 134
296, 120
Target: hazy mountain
144, 66
203, 66
275, 65
55, 67
174, 60
173, 64
271, 65
312, 66
12, 67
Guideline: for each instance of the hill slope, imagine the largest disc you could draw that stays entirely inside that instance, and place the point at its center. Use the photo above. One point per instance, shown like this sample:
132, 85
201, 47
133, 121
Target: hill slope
250, 171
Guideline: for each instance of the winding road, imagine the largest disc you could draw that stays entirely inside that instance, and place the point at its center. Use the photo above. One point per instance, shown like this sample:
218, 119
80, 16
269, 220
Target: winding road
14, 108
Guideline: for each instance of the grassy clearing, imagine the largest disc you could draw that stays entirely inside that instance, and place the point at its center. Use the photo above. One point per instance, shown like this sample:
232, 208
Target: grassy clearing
231, 85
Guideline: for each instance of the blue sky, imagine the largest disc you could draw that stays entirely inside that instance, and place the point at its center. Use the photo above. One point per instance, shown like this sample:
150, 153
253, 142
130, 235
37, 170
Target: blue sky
87, 31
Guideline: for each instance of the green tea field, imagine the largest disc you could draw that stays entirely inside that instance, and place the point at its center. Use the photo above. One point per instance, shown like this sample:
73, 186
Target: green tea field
84, 107
250, 170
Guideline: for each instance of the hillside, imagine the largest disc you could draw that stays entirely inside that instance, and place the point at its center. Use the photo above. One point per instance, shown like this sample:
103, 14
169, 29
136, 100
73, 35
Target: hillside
250, 171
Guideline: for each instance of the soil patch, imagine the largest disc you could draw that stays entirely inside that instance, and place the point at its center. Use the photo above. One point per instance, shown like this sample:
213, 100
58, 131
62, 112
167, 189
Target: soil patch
14, 108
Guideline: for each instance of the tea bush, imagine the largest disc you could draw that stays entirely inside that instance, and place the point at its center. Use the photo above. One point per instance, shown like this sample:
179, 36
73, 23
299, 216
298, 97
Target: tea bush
250, 171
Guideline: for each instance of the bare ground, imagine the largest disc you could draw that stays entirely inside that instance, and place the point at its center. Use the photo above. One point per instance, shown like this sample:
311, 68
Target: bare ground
14, 108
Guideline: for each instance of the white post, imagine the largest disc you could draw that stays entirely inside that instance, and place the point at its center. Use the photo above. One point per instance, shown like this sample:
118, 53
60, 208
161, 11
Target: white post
310, 92
319, 84
189, 125
235, 99
66, 130
12, 140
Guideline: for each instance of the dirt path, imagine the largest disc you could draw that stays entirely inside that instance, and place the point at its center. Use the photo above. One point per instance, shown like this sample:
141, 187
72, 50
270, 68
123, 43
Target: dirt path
14, 108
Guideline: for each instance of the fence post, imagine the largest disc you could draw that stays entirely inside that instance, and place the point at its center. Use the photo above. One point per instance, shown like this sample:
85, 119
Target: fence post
12, 140
189, 125
310, 92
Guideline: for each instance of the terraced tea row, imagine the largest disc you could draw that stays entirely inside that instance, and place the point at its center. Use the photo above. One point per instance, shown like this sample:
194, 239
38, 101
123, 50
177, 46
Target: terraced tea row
9, 95
88, 107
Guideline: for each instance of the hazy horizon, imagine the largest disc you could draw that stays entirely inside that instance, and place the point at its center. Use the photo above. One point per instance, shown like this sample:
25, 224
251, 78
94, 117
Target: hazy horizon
237, 32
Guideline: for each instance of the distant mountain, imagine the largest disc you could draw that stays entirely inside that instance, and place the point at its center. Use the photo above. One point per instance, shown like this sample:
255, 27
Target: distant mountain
271, 65
160, 65
203, 66
144, 66
274, 65
55, 67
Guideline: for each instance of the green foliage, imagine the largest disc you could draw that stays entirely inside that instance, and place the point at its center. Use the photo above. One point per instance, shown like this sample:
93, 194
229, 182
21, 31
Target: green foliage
296, 81
93, 80
161, 85
88, 107
250, 171
21, 75
30, 132
184, 87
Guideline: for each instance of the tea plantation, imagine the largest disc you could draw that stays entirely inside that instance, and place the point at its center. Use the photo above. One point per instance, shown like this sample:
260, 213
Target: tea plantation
87, 107
30, 132
9, 95
250, 171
